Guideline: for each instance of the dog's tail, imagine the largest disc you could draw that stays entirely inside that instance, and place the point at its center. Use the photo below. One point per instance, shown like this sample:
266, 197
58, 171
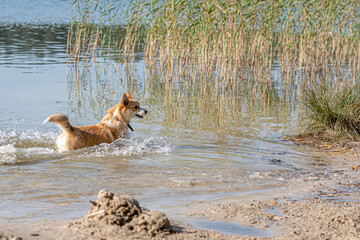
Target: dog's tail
61, 120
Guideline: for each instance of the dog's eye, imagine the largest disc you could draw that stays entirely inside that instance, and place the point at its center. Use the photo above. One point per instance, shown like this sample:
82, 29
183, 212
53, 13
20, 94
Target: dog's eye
136, 107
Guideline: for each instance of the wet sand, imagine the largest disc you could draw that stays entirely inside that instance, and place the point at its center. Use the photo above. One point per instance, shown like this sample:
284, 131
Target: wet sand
316, 209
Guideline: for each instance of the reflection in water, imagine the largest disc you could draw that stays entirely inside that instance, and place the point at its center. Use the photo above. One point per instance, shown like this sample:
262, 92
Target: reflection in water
231, 228
238, 110
234, 112
24, 45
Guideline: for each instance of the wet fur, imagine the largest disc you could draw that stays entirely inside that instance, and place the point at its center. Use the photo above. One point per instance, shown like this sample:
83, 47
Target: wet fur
113, 126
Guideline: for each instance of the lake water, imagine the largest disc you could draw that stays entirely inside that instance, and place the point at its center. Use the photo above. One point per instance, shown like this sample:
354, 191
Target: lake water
185, 150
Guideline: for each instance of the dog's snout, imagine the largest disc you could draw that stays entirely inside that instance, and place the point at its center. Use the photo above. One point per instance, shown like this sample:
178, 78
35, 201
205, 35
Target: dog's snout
143, 111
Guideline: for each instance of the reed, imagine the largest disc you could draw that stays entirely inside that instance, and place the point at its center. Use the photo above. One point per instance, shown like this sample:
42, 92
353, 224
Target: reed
218, 39
222, 38
221, 47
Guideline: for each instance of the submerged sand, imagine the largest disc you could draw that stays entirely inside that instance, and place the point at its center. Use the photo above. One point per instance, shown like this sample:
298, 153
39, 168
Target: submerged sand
324, 209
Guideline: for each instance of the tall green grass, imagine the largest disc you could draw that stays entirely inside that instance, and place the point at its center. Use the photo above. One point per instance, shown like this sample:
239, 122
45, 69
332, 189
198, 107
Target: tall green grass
215, 48
228, 36
220, 38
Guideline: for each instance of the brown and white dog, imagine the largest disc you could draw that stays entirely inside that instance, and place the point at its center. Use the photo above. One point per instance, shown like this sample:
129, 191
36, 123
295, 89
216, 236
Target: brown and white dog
113, 126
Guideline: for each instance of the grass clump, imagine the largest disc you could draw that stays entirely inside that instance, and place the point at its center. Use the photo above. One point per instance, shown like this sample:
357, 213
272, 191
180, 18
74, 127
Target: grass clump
336, 111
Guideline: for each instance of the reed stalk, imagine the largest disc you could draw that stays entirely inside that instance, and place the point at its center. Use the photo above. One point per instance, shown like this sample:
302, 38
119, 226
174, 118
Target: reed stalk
214, 48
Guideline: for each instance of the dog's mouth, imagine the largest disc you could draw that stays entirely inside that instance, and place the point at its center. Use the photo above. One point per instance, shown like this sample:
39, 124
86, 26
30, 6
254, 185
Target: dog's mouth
139, 116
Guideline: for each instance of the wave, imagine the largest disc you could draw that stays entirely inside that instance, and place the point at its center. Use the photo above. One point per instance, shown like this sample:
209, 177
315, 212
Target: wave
27, 137
9, 154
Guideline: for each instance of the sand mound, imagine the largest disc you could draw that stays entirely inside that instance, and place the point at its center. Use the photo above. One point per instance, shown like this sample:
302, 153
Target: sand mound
122, 215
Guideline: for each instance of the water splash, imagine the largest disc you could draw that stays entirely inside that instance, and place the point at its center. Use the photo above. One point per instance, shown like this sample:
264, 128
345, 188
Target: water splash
130, 147
27, 137
18, 145
7, 154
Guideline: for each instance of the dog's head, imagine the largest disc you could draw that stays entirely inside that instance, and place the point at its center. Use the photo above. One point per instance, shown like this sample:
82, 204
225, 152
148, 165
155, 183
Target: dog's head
130, 108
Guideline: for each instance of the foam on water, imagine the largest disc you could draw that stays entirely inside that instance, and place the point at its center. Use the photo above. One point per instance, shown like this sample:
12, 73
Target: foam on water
35, 151
7, 154
17, 145
30, 136
130, 147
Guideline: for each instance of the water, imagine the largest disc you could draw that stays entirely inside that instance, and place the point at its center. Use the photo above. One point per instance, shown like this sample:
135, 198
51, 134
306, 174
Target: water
184, 150
231, 228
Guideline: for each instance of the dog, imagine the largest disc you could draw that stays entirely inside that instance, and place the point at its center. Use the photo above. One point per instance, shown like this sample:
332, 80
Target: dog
114, 125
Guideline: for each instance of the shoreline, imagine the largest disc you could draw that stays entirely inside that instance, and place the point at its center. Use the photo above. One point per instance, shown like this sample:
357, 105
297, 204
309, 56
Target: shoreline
318, 208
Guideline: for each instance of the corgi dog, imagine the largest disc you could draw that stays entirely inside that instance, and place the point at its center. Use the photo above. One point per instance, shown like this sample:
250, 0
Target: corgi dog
114, 125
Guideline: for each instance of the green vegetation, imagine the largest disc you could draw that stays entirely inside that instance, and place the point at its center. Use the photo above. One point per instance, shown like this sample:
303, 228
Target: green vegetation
263, 53
338, 111
222, 38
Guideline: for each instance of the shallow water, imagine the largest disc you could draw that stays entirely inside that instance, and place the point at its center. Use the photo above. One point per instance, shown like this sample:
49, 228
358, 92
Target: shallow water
184, 150
231, 228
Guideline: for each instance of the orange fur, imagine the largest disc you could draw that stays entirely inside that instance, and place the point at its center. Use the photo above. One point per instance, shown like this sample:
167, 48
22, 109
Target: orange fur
113, 126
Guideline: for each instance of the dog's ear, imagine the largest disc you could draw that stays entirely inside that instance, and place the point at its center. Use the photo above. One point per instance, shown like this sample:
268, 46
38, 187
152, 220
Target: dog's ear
127, 94
125, 100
